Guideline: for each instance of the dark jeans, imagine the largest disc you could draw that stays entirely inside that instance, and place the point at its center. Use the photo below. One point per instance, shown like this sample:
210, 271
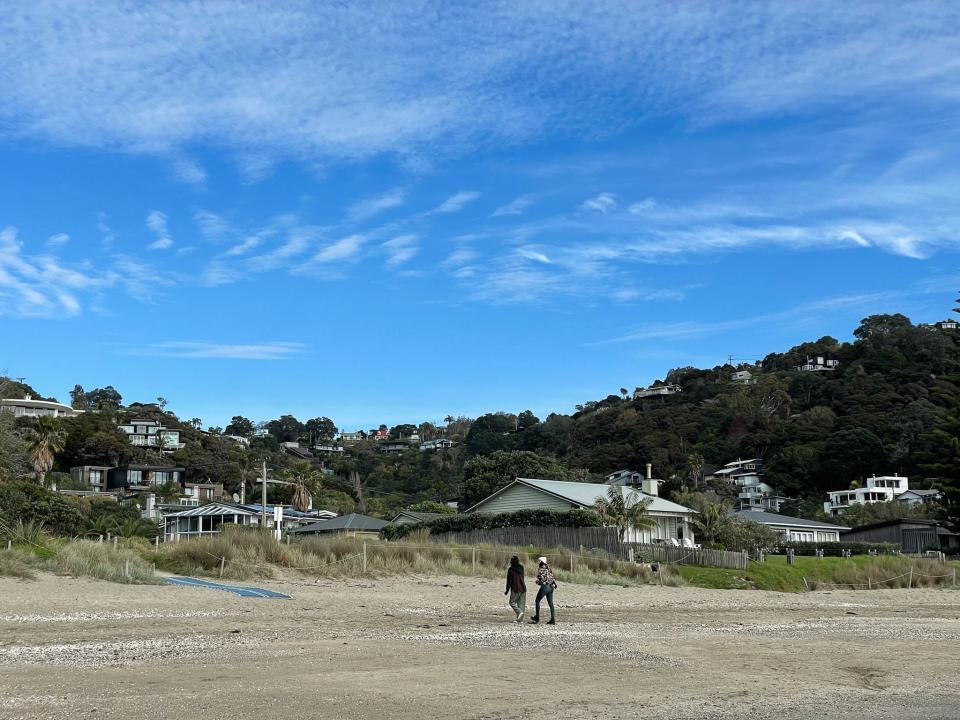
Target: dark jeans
545, 591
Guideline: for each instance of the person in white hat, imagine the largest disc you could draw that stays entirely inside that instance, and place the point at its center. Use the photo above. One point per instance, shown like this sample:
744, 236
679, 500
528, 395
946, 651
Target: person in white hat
547, 583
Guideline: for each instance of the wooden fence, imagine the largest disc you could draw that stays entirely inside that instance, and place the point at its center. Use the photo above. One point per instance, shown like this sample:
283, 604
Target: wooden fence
605, 539
586, 538
690, 556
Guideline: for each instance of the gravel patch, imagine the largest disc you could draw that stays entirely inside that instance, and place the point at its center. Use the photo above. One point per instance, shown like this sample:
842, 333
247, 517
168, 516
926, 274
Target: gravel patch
78, 617
115, 654
873, 628
611, 641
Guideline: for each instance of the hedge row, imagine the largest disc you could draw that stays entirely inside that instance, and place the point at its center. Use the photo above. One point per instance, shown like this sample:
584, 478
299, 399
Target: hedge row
481, 521
835, 549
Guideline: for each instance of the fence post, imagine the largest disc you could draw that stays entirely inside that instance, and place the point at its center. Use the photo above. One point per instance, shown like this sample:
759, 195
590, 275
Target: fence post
954, 583
474, 561
364, 558
223, 561
126, 568
156, 541
629, 554
115, 538
910, 581
869, 583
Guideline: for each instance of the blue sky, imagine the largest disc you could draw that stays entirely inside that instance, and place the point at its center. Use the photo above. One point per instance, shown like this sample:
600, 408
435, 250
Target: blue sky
387, 213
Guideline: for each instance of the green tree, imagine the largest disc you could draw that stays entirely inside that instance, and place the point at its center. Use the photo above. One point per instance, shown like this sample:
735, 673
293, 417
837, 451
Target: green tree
240, 426
712, 522
485, 475
103, 399
286, 428
45, 438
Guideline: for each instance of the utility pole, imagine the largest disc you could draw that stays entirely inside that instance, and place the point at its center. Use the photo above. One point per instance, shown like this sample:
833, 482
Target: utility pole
263, 497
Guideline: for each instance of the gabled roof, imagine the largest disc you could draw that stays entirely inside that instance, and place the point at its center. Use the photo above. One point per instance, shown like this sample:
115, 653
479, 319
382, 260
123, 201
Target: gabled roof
920, 493
419, 516
587, 494
353, 521
766, 518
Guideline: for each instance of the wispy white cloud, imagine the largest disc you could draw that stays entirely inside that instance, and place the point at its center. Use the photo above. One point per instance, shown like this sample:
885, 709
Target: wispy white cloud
212, 226
371, 206
157, 224
400, 249
460, 257
41, 285
58, 240
602, 203
455, 203
517, 206
222, 351
341, 250
189, 171
410, 81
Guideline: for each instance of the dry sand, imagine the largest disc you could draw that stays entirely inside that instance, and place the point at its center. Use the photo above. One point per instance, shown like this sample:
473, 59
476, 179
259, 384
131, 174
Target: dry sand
445, 648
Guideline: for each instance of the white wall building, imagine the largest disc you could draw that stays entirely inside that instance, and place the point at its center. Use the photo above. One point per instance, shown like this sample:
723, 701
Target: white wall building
819, 363
656, 391
878, 489
30, 407
144, 433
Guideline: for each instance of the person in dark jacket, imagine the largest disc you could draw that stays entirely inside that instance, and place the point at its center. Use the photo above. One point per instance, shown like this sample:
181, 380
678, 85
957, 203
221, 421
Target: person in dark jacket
516, 588
547, 583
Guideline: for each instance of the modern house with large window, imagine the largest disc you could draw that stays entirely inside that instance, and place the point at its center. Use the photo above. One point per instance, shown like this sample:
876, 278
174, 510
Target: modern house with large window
656, 391
825, 362
754, 493
143, 477
878, 489
93, 476
150, 433
30, 407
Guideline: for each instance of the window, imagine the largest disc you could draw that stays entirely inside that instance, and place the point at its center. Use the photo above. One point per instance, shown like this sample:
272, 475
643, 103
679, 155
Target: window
134, 477
96, 477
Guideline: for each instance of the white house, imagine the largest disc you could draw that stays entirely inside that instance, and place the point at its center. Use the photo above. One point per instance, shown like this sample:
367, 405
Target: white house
438, 444
656, 390
672, 520
878, 489
29, 407
916, 497
745, 377
819, 363
145, 433
794, 529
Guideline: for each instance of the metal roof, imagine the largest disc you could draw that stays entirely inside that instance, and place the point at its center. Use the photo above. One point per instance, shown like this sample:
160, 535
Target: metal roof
213, 509
420, 515
766, 518
353, 521
587, 494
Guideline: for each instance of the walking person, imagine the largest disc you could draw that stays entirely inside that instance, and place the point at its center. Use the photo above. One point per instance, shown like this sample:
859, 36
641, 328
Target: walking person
547, 584
516, 588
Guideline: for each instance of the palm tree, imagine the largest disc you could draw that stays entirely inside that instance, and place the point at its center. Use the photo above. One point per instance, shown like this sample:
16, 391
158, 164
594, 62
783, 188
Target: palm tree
44, 440
712, 521
624, 510
303, 474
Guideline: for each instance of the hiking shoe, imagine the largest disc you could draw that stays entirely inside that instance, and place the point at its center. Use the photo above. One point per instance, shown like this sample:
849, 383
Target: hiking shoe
551, 622
534, 620
520, 618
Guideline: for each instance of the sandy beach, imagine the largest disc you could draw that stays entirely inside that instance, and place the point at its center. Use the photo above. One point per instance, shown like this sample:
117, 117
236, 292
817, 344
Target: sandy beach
445, 648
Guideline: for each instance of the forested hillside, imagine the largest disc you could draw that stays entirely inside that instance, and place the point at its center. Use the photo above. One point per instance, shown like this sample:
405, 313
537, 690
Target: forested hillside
892, 405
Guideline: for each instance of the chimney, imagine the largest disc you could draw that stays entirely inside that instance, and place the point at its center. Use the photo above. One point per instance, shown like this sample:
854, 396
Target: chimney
649, 485
649, 471
150, 504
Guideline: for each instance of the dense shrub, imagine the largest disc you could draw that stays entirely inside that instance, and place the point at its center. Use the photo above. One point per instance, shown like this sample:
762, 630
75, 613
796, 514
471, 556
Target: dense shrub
481, 521
835, 549
30, 502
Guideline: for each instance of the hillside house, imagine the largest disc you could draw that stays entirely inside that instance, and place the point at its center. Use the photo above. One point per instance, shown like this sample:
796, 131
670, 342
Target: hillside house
824, 362
917, 497
30, 407
672, 520
352, 524
744, 377
438, 444
143, 477
657, 391
878, 489
150, 433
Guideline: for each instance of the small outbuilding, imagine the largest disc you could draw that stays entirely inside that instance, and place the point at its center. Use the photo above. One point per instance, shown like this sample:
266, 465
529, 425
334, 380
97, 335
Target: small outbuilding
914, 535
